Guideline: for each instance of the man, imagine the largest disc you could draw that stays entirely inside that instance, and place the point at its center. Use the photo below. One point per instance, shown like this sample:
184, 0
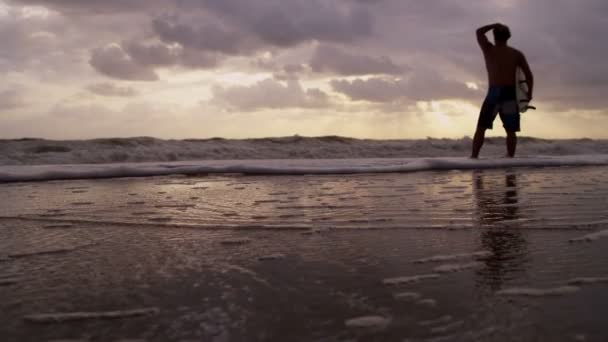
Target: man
502, 62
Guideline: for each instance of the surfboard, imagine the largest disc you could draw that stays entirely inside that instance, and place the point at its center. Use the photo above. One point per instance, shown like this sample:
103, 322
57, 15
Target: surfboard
522, 91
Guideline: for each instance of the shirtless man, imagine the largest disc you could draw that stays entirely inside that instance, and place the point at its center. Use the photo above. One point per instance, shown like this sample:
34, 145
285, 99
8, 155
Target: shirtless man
501, 62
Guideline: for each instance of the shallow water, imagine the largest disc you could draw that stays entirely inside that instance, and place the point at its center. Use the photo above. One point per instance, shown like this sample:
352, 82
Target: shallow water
301, 258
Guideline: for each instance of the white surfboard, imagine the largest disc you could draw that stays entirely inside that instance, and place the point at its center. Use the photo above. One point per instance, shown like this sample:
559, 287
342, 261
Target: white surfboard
522, 91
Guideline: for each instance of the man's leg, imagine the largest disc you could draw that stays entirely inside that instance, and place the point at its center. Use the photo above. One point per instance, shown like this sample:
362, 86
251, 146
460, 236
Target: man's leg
511, 143
478, 139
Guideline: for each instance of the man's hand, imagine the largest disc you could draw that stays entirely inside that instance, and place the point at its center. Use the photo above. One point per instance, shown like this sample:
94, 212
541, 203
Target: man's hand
487, 28
483, 41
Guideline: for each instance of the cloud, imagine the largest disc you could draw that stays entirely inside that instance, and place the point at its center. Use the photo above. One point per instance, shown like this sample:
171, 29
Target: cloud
151, 54
94, 7
137, 61
269, 94
110, 89
400, 50
334, 60
10, 99
373, 89
415, 88
114, 62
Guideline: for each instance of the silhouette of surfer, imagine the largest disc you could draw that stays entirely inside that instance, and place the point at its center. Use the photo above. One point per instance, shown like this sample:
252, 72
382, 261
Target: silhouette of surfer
501, 62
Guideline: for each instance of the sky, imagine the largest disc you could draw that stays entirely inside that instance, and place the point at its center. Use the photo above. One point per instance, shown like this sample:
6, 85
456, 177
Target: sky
381, 69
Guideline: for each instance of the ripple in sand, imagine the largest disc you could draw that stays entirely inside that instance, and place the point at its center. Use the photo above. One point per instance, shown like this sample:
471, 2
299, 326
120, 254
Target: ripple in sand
53, 215
78, 188
266, 201
8, 281
440, 320
58, 226
271, 257
80, 316
81, 203
532, 292
143, 213
447, 327
59, 250
427, 302
587, 280
235, 241
160, 219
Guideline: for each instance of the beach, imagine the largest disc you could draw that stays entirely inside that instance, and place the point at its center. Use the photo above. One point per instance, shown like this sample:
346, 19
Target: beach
499, 254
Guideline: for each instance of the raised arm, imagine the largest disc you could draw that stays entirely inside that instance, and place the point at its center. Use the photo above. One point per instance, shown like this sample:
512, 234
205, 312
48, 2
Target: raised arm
483, 41
525, 67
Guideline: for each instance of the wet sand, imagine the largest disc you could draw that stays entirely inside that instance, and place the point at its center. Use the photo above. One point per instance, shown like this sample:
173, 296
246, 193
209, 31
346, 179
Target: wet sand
495, 255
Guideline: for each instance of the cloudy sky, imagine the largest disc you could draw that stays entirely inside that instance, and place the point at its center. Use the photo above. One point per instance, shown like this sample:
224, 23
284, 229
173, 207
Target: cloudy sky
254, 68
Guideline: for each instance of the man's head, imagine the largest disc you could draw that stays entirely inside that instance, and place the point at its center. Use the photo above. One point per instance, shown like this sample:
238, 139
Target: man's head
502, 33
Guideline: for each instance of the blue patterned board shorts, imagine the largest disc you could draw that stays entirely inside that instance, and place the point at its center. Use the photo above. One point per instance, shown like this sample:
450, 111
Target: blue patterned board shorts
501, 100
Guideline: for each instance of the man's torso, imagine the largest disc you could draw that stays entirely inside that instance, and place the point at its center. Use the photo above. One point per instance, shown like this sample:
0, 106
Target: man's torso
501, 63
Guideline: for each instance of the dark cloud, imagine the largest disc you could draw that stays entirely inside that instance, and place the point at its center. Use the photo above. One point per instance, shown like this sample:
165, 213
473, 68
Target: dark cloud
208, 37
288, 23
110, 89
114, 62
334, 60
269, 94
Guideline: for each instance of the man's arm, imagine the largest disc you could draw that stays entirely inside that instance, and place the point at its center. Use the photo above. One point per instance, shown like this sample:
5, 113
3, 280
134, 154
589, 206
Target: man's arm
525, 67
483, 41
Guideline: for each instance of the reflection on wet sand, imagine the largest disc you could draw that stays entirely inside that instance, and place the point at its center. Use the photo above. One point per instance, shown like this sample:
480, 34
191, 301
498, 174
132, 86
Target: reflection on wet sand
498, 212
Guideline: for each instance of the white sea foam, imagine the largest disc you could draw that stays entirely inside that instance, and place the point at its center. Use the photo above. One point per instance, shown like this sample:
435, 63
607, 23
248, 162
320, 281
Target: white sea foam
22, 173
592, 237
408, 296
451, 268
440, 258
78, 316
368, 322
145, 149
532, 292
409, 279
